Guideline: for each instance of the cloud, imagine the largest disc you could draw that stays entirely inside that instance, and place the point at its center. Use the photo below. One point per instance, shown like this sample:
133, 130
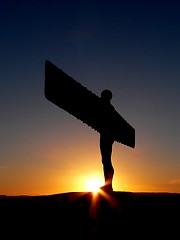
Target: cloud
175, 181
1, 167
79, 33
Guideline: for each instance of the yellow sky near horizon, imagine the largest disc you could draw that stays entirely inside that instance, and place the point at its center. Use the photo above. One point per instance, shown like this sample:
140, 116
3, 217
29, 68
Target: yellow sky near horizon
68, 169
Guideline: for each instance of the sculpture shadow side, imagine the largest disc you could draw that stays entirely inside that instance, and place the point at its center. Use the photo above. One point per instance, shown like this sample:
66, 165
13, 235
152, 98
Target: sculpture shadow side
68, 94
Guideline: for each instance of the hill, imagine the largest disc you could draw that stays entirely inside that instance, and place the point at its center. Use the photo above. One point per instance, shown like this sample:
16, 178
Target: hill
82, 215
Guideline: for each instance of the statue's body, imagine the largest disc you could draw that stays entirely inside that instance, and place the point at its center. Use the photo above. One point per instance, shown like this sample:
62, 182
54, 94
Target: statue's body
96, 112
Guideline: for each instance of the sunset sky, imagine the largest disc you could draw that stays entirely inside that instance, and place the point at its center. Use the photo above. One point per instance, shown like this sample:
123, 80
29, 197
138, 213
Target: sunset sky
129, 47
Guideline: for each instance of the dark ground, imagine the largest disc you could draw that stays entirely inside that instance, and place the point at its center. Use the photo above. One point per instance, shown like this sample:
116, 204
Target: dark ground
125, 215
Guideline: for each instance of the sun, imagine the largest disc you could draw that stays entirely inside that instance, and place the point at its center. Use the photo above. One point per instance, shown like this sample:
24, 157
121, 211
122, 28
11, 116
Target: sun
94, 184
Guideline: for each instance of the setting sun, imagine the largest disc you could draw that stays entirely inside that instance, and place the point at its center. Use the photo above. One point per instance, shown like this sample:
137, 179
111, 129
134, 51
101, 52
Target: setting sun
93, 184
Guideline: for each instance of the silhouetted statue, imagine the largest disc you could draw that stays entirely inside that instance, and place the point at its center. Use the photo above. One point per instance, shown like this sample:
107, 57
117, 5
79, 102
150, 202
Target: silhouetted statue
97, 112
106, 142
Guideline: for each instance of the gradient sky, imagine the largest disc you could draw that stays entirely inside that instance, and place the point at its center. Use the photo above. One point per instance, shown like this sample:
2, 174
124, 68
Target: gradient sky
129, 47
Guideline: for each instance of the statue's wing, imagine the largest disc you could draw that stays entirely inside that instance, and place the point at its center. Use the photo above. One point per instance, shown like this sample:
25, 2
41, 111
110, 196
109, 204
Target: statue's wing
71, 96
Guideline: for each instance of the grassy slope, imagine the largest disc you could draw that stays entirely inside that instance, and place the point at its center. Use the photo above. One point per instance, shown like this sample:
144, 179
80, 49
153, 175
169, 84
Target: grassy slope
123, 215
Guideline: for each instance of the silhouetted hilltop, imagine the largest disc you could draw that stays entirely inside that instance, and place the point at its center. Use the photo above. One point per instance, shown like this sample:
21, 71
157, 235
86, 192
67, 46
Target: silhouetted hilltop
121, 215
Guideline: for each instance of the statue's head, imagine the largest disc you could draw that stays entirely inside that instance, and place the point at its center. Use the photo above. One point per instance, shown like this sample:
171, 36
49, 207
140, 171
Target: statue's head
106, 95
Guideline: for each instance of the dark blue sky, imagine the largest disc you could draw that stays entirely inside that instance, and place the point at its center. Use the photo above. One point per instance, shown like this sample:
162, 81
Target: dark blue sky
130, 47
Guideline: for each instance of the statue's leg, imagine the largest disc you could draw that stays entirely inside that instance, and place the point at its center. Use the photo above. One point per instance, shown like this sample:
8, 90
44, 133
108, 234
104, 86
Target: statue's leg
106, 151
108, 176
